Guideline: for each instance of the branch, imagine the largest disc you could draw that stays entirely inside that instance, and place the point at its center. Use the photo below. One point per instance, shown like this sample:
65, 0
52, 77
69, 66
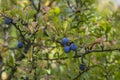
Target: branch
88, 52
15, 24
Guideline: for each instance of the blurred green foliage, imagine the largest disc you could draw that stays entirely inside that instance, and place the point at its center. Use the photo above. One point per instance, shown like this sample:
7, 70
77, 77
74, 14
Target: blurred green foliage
41, 24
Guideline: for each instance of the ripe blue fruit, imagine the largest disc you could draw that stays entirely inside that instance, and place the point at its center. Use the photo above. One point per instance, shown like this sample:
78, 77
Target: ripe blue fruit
20, 44
65, 41
8, 21
82, 67
73, 47
67, 49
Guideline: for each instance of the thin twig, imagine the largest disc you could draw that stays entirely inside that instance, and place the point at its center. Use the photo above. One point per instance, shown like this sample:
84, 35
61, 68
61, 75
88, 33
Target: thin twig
70, 6
39, 6
36, 8
80, 73
21, 34
32, 1
13, 70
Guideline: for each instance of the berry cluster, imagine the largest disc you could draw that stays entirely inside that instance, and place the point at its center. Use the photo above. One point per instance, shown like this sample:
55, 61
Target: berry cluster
68, 47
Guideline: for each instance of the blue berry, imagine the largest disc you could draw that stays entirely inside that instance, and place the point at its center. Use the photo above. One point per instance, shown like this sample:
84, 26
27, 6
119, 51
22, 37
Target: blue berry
65, 41
82, 67
67, 49
8, 21
73, 47
20, 45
